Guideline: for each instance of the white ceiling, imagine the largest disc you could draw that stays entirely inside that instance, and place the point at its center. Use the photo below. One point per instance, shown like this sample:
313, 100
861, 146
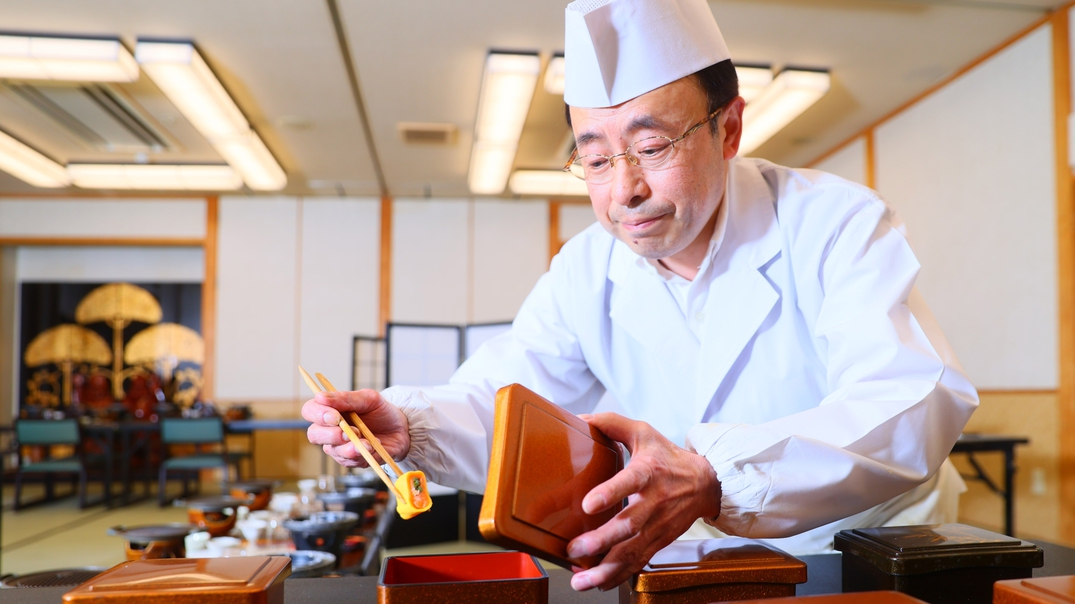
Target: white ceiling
421, 61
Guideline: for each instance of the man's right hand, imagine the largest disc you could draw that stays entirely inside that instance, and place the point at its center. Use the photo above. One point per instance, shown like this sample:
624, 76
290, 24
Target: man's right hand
385, 420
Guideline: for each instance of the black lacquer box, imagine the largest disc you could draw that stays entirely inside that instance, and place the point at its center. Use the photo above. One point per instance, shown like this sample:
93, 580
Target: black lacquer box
941, 564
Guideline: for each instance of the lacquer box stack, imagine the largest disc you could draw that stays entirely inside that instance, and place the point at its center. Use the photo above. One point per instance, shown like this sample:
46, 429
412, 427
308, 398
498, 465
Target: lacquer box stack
941, 564
714, 570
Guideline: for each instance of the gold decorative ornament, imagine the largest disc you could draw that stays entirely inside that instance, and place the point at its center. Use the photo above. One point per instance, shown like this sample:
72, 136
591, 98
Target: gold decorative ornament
165, 345
118, 304
65, 345
192, 379
42, 388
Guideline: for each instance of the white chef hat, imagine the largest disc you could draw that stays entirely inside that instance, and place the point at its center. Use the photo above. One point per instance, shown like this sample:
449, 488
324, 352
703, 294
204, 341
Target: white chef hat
615, 50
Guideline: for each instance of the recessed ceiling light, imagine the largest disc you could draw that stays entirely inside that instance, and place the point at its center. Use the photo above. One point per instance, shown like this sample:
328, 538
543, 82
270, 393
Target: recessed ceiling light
154, 177
547, 182
183, 76
507, 89
26, 164
66, 58
554, 75
792, 92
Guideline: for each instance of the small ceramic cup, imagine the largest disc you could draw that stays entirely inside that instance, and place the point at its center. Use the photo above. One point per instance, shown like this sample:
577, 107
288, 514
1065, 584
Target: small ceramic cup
252, 529
196, 541
218, 545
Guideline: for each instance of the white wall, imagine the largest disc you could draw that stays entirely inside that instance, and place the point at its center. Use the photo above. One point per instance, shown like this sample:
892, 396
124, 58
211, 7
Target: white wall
257, 298
511, 250
430, 256
971, 170
574, 219
341, 245
456, 262
103, 218
848, 162
93, 264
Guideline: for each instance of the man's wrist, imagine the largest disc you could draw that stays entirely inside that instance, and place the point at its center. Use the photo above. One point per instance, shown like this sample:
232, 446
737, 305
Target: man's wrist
709, 492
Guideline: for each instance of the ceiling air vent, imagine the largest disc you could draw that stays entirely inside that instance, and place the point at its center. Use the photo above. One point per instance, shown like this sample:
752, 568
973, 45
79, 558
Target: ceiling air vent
427, 134
98, 115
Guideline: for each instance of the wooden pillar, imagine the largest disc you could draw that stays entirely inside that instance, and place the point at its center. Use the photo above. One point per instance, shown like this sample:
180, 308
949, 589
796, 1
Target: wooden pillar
1065, 218
209, 248
386, 264
554, 229
871, 161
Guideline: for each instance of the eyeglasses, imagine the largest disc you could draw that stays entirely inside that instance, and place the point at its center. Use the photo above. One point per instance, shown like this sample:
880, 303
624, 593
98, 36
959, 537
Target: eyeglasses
649, 153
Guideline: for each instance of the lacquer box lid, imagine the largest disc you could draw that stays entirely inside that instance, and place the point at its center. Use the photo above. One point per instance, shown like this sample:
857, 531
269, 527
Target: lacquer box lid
910, 550
544, 461
254, 580
693, 563
1044, 590
866, 597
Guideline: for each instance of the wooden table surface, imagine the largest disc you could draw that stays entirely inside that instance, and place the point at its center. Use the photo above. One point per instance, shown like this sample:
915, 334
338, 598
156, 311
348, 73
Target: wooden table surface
823, 571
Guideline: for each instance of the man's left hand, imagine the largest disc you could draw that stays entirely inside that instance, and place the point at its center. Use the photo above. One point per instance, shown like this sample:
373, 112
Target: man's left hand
667, 488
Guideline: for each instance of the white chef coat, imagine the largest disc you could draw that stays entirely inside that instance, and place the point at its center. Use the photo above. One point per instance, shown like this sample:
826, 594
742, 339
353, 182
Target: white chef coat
820, 386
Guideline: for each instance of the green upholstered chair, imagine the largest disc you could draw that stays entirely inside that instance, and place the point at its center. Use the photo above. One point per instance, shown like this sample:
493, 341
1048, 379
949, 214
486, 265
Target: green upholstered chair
206, 436
48, 433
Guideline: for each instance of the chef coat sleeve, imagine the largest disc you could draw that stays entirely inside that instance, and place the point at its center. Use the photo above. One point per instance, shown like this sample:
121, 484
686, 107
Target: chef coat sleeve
897, 401
451, 426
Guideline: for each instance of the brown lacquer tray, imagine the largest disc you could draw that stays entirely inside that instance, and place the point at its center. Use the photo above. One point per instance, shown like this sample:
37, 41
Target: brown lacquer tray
544, 461
244, 580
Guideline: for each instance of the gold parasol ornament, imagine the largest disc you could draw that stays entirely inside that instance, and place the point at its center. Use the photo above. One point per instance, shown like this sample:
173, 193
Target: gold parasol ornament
118, 304
65, 345
165, 345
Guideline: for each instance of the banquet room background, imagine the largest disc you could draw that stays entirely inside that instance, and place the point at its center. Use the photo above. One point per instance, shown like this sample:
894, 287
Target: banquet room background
971, 148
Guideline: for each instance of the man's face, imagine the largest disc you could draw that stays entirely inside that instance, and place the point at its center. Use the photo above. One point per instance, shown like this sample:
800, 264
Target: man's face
660, 212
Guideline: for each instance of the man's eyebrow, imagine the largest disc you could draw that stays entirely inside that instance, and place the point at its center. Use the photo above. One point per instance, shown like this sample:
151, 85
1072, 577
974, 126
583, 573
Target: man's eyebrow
648, 122
644, 122
587, 137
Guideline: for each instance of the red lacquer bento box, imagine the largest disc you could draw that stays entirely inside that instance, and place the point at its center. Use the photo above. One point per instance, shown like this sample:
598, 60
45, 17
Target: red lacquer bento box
502, 577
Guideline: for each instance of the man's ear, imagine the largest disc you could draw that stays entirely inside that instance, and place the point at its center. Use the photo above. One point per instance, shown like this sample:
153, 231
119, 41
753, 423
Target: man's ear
733, 126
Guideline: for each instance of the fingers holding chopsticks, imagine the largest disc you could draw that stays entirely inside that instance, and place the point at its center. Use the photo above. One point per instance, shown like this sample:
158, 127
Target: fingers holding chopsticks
386, 422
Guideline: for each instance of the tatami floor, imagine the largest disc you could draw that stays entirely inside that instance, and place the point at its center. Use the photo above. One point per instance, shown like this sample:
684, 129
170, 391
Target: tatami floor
59, 535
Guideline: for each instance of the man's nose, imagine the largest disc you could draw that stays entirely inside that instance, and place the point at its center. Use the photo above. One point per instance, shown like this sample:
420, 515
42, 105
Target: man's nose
628, 183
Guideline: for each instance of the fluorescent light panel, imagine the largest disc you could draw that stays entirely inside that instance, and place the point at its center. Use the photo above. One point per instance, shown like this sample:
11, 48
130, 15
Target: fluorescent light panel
184, 77
792, 92
547, 182
507, 89
753, 80
554, 75
154, 177
66, 59
28, 165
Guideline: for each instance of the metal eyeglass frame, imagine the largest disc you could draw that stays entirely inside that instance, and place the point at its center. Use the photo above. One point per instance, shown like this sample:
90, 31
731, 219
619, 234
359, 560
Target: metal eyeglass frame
631, 159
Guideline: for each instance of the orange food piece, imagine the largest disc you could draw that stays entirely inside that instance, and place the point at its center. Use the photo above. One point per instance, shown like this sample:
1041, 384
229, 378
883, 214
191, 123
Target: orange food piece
416, 499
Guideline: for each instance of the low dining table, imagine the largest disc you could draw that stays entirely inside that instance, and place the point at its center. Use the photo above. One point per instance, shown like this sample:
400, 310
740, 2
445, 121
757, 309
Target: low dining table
823, 572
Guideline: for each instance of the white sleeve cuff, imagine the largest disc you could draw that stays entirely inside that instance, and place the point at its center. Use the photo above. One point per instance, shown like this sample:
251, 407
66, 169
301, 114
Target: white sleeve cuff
743, 487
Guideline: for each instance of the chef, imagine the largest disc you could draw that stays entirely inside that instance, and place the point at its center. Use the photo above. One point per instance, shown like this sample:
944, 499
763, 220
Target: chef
775, 370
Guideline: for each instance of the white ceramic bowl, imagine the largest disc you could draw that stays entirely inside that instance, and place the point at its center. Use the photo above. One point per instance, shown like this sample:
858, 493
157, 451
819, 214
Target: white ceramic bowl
283, 502
217, 545
196, 541
252, 529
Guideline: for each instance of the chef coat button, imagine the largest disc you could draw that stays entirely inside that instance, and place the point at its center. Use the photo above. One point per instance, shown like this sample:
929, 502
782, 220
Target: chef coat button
699, 316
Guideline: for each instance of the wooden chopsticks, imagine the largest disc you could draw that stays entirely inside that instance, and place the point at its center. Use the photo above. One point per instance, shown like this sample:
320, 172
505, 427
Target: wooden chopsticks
355, 439
357, 421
